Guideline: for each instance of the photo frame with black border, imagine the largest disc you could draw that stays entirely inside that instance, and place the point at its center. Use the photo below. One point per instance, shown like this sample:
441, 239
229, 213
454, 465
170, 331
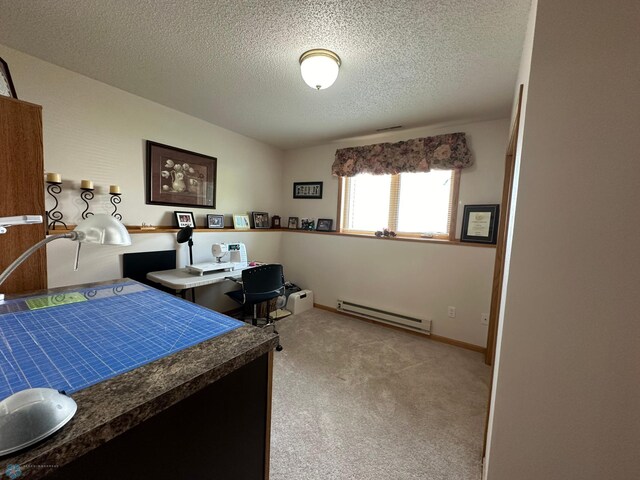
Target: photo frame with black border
307, 224
480, 223
185, 219
293, 223
215, 220
7, 88
311, 190
180, 177
260, 220
324, 225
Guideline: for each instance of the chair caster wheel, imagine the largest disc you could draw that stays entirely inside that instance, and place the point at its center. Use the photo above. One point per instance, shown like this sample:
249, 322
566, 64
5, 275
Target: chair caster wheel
279, 348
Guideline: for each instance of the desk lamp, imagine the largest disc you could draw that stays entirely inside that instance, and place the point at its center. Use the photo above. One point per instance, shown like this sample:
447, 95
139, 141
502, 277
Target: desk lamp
31, 415
101, 229
186, 235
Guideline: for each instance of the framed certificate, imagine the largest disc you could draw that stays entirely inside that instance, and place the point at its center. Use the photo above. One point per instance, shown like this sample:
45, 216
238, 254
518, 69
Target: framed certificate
480, 223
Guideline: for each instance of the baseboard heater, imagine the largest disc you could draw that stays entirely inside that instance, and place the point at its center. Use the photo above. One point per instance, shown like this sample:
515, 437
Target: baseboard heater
417, 324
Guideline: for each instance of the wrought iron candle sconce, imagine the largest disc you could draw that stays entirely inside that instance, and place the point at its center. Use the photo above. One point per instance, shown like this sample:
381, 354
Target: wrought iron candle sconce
86, 196
115, 200
54, 188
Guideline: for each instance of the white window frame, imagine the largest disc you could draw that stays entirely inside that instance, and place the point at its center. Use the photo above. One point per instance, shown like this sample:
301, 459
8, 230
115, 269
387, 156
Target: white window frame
343, 205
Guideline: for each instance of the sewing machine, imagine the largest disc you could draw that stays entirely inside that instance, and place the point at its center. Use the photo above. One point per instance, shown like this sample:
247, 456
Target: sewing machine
236, 252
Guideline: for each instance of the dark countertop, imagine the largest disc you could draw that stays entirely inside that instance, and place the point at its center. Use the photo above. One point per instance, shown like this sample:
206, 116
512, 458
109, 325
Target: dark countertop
113, 406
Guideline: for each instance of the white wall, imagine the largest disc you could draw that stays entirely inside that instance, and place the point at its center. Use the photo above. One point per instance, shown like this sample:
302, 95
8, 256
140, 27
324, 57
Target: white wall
97, 132
480, 183
414, 279
566, 390
419, 279
98, 263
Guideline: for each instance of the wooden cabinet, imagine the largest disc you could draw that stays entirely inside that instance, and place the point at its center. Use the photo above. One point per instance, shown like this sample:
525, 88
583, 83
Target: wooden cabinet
22, 192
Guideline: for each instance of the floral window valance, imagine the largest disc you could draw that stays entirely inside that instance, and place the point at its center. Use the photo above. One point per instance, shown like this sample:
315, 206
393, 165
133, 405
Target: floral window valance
442, 152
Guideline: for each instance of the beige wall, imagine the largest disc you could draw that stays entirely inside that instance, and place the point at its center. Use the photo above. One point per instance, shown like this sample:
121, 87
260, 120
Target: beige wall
97, 132
566, 390
480, 183
415, 279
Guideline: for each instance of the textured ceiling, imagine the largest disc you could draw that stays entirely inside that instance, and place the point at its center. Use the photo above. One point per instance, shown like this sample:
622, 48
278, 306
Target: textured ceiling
234, 63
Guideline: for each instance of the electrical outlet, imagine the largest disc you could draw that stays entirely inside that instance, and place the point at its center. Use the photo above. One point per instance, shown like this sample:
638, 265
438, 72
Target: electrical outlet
451, 311
484, 318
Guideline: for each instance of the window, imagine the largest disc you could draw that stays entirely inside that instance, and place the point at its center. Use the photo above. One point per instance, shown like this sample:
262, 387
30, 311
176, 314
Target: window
410, 204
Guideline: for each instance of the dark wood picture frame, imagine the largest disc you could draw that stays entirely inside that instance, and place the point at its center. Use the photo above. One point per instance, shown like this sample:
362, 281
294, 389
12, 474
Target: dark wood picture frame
6, 83
312, 190
293, 223
180, 177
324, 225
480, 223
260, 220
182, 221
215, 220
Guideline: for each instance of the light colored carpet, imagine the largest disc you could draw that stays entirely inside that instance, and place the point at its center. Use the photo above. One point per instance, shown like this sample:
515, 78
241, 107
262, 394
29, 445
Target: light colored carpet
354, 400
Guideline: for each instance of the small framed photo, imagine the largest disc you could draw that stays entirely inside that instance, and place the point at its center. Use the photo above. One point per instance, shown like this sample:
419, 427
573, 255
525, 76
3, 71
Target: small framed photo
480, 223
307, 224
215, 221
293, 223
324, 225
307, 190
241, 221
185, 219
6, 84
260, 219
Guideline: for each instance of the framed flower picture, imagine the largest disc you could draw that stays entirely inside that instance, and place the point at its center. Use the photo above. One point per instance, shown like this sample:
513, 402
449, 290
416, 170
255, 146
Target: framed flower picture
180, 177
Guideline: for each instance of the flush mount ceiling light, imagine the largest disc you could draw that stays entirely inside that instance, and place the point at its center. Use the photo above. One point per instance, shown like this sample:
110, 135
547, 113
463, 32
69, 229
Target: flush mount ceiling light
319, 68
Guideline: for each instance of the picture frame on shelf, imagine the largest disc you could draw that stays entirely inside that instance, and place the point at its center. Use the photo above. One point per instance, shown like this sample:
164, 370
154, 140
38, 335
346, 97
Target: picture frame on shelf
241, 221
260, 220
311, 190
215, 220
324, 225
180, 177
293, 223
480, 223
185, 219
307, 224
7, 88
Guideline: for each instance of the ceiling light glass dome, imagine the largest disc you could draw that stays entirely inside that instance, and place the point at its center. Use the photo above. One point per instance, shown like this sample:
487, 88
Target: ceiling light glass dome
319, 68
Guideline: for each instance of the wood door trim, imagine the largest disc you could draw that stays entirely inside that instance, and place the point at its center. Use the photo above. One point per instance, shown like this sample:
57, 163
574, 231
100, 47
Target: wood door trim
498, 272
503, 230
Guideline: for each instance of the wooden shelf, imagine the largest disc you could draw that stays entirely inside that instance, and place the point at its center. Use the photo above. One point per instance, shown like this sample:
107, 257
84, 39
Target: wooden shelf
135, 230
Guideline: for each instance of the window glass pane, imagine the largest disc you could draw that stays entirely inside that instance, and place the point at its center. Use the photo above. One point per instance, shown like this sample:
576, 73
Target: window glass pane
369, 202
424, 201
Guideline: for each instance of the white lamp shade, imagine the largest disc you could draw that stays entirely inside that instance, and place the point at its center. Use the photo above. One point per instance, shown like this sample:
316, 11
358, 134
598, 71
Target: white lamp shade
319, 68
102, 229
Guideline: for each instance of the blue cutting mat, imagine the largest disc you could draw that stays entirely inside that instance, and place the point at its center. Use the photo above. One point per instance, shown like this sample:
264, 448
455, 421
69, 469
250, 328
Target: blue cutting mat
119, 327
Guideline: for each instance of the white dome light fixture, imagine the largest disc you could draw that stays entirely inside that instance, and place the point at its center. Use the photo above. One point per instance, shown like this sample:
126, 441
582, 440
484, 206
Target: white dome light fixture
319, 68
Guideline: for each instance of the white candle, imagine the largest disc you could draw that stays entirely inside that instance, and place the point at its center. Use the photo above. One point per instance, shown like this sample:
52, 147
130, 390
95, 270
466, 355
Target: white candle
88, 184
114, 189
54, 178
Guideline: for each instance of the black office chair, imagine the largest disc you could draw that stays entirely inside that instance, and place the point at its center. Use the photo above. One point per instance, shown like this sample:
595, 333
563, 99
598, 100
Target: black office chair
260, 284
